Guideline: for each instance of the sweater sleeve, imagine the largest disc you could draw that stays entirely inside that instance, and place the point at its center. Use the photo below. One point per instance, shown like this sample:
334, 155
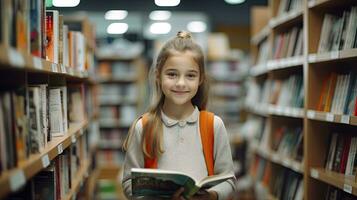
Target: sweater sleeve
134, 157
223, 162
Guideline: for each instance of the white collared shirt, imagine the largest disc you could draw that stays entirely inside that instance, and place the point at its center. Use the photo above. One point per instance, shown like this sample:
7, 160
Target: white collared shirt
183, 151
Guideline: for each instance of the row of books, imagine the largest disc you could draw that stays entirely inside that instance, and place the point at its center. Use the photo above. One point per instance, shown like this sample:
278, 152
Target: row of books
334, 193
112, 138
118, 92
29, 27
288, 44
263, 52
287, 6
227, 89
227, 71
125, 114
116, 70
288, 92
55, 181
341, 155
339, 94
286, 184
30, 117
288, 142
338, 31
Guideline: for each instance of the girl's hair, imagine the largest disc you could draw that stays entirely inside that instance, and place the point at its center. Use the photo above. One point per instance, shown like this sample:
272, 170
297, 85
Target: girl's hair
180, 44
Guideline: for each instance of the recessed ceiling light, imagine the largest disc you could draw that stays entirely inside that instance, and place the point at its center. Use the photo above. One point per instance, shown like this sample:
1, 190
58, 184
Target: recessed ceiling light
167, 2
196, 26
234, 1
160, 28
117, 28
115, 14
160, 15
65, 3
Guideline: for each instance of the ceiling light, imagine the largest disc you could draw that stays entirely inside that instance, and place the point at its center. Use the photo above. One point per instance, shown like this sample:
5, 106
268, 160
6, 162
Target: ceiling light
115, 14
234, 1
160, 28
117, 28
65, 3
196, 26
160, 15
167, 2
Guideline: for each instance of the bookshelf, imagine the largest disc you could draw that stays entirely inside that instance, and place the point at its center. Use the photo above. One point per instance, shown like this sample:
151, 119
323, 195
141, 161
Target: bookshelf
327, 116
47, 107
122, 90
275, 100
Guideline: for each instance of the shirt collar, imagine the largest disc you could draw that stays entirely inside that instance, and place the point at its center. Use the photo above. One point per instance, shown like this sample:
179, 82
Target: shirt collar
190, 119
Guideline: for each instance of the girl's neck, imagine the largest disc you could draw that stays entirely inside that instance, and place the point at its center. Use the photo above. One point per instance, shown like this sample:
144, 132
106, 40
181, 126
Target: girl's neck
178, 112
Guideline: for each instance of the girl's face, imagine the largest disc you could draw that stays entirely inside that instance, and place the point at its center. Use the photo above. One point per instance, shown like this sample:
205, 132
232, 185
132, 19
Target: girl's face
179, 78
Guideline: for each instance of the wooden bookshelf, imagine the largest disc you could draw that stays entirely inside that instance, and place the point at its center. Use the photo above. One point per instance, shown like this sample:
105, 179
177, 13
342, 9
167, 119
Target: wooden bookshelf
338, 180
287, 20
13, 179
13, 59
320, 123
117, 80
258, 37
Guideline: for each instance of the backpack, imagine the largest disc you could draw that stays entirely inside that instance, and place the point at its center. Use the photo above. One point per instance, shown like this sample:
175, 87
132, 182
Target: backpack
207, 139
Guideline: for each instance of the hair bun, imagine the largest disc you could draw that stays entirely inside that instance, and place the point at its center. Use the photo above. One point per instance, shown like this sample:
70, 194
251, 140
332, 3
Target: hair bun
184, 35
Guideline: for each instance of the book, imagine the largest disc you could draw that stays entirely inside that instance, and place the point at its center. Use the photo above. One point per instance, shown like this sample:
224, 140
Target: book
164, 183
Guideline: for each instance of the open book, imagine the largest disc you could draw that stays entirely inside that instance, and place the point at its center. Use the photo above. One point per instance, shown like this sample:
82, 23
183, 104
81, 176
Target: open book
164, 183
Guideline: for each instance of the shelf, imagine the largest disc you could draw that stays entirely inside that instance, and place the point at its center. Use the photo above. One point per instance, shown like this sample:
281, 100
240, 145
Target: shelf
258, 70
286, 19
264, 33
77, 181
285, 63
10, 58
268, 109
331, 117
279, 159
345, 183
14, 179
316, 4
229, 79
349, 54
117, 80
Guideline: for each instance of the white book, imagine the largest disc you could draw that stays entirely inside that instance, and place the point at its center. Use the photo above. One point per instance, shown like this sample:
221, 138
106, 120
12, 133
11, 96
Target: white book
331, 154
325, 33
65, 46
351, 156
56, 116
36, 136
336, 94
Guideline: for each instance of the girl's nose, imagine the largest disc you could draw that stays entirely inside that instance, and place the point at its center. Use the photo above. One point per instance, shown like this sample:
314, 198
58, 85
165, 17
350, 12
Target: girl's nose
180, 81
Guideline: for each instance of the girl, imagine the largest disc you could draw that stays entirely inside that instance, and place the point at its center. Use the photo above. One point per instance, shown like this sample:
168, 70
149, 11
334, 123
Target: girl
172, 127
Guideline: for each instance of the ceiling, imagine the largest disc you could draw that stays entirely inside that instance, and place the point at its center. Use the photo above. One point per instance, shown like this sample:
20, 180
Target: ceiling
218, 12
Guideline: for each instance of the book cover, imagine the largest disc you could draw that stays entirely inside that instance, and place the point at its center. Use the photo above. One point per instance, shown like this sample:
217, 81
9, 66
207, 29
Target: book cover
35, 27
164, 183
52, 35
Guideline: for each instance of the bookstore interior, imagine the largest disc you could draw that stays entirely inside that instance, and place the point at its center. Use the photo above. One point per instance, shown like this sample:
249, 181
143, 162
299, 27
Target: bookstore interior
75, 75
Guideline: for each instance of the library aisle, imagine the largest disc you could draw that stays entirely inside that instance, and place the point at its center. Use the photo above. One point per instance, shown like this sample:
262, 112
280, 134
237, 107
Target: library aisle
75, 75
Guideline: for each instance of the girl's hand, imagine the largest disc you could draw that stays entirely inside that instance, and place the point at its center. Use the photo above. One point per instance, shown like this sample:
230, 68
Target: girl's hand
177, 195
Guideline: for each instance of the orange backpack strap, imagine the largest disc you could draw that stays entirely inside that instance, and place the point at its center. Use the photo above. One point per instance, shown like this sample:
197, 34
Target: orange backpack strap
149, 162
207, 139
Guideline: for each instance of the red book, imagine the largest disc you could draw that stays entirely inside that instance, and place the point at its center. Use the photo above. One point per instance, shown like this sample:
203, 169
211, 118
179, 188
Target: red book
346, 150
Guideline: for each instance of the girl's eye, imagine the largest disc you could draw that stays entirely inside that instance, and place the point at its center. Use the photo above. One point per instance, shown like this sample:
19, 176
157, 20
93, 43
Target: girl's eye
171, 74
191, 75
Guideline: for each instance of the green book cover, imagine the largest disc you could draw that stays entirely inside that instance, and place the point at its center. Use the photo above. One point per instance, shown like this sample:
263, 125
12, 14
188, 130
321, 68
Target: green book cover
164, 183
